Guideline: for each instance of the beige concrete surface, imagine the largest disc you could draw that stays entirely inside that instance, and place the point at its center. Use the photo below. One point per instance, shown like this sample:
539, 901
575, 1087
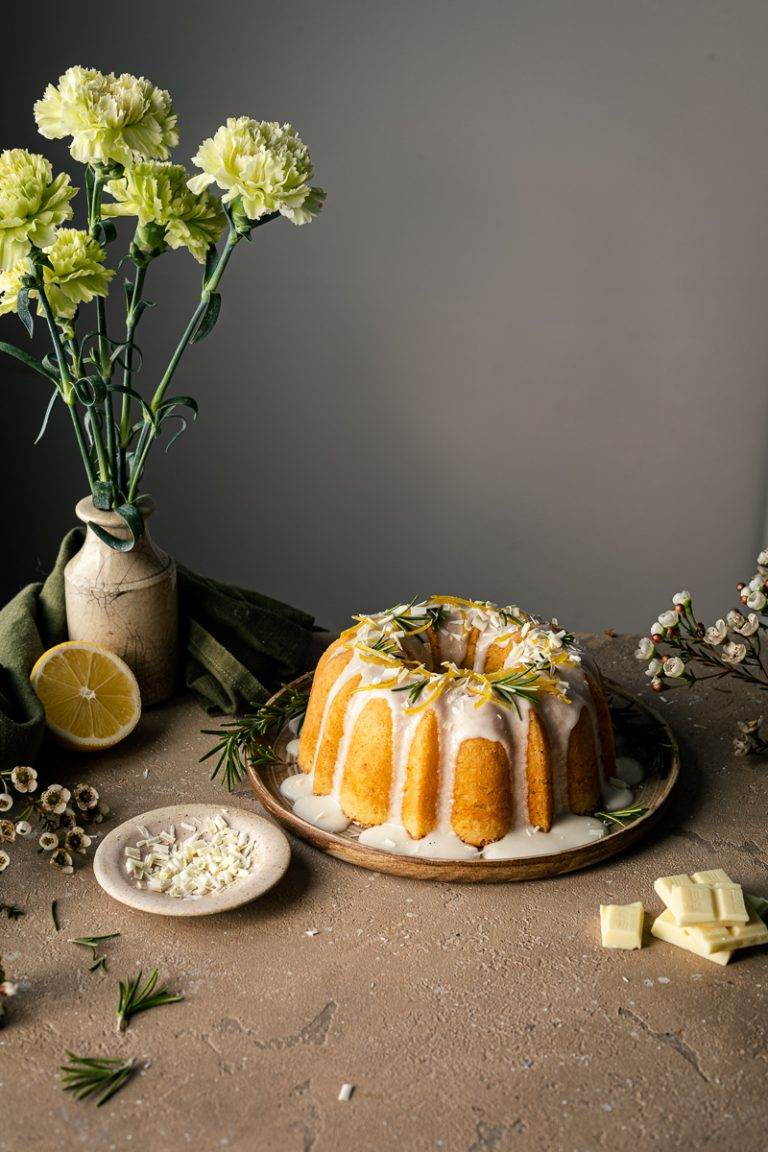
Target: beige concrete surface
469, 1019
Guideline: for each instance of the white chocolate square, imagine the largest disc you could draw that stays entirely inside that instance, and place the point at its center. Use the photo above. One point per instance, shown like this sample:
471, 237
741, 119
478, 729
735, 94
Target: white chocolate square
621, 925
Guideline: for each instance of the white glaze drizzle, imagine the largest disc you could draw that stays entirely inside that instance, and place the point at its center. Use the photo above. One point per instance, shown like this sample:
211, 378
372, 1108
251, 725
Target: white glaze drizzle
459, 718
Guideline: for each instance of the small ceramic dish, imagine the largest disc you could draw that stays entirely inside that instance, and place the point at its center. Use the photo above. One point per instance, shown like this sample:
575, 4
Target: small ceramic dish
272, 855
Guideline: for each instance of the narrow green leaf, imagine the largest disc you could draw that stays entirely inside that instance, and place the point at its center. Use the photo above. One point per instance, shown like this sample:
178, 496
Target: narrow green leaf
122, 390
47, 415
211, 257
107, 231
209, 318
165, 409
182, 428
22, 308
35, 365
133, 521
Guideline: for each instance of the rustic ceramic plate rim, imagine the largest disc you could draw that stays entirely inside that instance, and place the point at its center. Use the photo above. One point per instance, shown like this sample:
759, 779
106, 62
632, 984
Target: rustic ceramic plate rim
271, 867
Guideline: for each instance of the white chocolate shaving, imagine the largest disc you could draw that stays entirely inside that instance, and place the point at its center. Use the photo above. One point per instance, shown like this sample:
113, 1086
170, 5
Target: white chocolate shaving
212, 857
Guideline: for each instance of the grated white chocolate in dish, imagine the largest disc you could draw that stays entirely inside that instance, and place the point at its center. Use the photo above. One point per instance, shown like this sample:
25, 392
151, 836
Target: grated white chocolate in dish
386, 657
208, 857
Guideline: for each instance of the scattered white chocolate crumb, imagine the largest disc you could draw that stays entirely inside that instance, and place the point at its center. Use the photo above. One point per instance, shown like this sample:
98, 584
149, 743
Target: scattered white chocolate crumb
312, 932
346, 1091
210, 858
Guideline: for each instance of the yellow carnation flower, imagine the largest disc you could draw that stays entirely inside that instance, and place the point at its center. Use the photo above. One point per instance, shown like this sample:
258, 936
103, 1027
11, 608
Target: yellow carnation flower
263, 163
110, 118
32, 203
169, 214
76, 274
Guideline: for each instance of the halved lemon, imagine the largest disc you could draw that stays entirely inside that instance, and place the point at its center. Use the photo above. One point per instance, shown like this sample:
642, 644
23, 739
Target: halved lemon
90, 696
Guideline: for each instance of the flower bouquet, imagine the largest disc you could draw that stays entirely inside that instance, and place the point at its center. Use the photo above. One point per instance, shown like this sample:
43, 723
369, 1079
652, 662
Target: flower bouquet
122, 129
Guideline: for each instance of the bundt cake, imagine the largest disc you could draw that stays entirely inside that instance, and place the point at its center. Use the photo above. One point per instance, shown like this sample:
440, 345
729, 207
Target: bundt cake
447, 726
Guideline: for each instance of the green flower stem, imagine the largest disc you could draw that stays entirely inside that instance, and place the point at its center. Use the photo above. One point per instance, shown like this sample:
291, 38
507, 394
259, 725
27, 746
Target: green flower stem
131, 322
209, 287
107, 460
67, 391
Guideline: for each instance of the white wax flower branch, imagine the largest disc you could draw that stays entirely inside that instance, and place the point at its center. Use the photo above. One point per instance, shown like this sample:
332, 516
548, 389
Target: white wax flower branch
680, 649
122, 128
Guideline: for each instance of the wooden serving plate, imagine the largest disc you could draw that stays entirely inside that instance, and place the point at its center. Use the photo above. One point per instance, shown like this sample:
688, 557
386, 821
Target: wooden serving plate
649, 740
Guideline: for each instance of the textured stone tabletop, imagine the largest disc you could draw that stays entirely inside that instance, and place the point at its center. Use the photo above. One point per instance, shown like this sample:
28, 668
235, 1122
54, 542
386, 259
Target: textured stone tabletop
472, 1019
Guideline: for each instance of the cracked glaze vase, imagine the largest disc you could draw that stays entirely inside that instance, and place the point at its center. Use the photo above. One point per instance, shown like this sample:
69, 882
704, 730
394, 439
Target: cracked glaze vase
126, 601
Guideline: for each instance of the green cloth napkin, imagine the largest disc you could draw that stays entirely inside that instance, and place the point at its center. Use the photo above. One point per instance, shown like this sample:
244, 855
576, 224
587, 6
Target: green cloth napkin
236, 646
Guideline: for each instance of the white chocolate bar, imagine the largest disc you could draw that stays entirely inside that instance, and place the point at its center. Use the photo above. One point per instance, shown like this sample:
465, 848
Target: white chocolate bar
698, 904
621, 925
665, 928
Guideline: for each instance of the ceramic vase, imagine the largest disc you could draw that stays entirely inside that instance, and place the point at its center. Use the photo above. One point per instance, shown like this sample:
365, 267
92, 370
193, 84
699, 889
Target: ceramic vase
126, 601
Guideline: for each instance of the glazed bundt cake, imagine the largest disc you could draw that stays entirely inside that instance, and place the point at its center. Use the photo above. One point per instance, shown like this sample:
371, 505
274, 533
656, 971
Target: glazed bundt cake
458, 718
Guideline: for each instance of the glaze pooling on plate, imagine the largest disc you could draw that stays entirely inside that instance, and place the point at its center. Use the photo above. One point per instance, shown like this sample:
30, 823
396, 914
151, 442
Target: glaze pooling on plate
492, 679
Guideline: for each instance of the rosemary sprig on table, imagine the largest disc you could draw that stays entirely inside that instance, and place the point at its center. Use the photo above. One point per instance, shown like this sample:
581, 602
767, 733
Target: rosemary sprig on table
93, 942
89, 1076
132, 998
239, 740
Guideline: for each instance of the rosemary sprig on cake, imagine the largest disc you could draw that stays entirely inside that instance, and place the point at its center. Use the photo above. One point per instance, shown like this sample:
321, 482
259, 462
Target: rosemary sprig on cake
133, 997
101, 1076
241, 740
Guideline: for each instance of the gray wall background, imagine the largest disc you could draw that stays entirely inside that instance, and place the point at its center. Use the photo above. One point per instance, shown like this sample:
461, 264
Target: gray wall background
523, 353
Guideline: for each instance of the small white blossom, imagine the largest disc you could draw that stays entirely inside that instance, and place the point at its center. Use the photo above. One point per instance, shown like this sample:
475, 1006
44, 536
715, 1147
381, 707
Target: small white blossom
757, 601
681, 598
654, 668
716, 634
7, 831
85, 796
54, 799
76, 840
48, 842
762, 560
749, 626
62, 860
4, 860
645, 649
668, 619
735, 619
733, 653
674, 667
757, 583
23, 828
6, 802
24, 779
